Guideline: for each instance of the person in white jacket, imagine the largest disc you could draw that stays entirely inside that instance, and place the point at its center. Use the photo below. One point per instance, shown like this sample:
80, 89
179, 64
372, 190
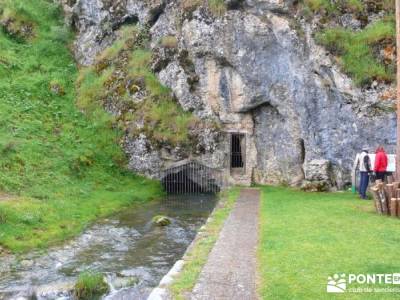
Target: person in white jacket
364, 166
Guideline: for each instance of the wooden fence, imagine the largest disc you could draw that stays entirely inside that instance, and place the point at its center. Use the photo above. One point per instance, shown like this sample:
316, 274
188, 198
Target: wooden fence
387, 197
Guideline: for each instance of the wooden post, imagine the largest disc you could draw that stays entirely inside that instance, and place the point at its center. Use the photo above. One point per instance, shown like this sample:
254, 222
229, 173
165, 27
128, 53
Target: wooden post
377, 201
398, 89
393, 207
389, 179
398, 207
382, 198
398, 202
389, 195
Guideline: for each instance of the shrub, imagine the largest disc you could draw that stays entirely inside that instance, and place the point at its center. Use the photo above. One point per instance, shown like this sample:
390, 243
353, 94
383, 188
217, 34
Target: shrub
353, 5
321, 6
90, 285
169, 41
356, 50
17, 21
217, 7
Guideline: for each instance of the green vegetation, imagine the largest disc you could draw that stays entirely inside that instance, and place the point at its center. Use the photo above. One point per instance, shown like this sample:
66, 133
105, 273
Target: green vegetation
335, 8
306, 237
321, 6
198, 254
17, 21
90, 286
60, 169
169, 41
216, 7
122, 73
356, 50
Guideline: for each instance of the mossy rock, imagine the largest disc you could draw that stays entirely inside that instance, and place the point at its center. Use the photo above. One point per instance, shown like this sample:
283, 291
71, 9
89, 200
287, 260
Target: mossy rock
161, 220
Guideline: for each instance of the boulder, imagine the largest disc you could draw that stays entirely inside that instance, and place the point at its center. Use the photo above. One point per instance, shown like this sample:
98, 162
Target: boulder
318, 170
161, 220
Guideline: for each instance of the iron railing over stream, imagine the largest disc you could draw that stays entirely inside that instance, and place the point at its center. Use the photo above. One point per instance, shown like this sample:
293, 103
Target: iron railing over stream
191, 177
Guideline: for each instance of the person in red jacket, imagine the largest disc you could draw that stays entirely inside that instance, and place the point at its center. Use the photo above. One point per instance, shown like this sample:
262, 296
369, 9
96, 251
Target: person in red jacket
381, 162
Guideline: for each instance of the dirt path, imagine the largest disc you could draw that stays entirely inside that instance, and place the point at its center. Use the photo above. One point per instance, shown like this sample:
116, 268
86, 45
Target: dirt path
230, 272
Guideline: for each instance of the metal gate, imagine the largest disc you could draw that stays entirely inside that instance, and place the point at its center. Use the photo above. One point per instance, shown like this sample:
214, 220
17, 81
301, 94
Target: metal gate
237, 150
191, 177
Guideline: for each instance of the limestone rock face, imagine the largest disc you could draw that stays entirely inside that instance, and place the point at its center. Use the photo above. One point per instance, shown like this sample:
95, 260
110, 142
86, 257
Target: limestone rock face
97, 20
301, 118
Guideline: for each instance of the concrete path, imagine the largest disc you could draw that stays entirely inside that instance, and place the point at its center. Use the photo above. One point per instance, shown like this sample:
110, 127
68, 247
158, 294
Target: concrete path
230, 272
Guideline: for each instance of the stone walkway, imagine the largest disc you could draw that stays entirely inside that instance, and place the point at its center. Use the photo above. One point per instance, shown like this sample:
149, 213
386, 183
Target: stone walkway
230, 272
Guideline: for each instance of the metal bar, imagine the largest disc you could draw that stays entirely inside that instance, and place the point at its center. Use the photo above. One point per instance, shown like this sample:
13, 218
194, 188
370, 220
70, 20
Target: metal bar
168, 181
191, 179
194, 178
202, 178
181, 181
184, 180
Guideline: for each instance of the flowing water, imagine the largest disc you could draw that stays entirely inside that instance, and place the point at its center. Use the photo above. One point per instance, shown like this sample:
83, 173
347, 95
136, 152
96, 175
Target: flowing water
131, 252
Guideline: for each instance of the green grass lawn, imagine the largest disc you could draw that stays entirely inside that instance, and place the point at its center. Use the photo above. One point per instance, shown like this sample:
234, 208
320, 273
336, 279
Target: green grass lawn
59, 168
306, 237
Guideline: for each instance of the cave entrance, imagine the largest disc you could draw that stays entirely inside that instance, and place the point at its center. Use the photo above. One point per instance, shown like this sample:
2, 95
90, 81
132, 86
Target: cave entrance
191, 177
238, 148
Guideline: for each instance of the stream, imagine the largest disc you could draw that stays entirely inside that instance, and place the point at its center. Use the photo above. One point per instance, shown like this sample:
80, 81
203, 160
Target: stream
131, 252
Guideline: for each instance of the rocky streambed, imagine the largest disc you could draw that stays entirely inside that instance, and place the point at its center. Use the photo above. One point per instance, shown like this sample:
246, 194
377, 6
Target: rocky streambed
128, 248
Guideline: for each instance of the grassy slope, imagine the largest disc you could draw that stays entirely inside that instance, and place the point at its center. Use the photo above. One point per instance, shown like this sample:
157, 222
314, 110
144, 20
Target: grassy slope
197, 256
123, 69
307, 237
357, 51
62, 169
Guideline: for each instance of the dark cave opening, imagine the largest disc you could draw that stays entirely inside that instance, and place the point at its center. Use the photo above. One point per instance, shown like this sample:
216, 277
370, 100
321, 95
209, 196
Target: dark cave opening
188, 181
237, 157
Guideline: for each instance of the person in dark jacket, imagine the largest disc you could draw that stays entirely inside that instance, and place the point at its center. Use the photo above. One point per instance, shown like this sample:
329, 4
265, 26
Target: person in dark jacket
381, 163
364, 166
